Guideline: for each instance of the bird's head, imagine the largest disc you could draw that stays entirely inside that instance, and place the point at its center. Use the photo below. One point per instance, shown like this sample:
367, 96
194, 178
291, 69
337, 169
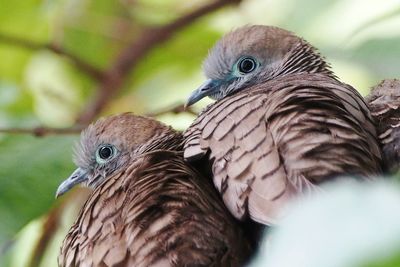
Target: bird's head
252, 55
108, 146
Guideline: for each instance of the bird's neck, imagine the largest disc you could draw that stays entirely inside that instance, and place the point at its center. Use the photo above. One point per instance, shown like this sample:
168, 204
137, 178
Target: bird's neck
304, 58
167, 140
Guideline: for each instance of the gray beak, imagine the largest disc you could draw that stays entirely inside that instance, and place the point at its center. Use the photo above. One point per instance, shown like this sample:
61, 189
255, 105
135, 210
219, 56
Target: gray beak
209, 87
77, 177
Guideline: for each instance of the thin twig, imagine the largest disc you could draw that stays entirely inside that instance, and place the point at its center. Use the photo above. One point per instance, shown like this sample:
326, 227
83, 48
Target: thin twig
42, 131
79, 63
133, 53
176, 109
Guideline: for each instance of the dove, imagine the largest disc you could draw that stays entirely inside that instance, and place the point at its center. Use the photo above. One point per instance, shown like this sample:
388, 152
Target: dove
148, 206
282, 123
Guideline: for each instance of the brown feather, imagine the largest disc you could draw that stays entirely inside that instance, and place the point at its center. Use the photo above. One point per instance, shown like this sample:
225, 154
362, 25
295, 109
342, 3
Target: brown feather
158, 211
282, 137
384, 103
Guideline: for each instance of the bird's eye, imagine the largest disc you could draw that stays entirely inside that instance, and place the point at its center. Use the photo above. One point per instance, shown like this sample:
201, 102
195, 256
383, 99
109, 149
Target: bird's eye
247, 65
105, 153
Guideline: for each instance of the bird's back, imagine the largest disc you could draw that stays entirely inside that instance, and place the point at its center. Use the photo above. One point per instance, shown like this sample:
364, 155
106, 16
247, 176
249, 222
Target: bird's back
273, 140
158, 212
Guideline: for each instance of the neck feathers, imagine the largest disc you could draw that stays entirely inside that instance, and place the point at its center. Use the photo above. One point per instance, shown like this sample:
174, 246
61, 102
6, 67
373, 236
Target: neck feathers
168, 140
304, 58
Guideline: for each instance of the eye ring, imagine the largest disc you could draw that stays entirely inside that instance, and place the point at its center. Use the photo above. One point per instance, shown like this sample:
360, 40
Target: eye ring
247, 65
105, 153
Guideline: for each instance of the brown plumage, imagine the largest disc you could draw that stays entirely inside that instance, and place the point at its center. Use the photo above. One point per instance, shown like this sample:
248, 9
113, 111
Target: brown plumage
282, 123
384, 103
148, 207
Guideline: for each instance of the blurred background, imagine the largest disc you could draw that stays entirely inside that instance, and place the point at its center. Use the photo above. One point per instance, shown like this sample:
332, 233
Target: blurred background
64, 63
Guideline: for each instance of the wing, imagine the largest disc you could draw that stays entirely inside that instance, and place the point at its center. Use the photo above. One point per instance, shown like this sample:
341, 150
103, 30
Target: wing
264, 142
247, 167
159, 212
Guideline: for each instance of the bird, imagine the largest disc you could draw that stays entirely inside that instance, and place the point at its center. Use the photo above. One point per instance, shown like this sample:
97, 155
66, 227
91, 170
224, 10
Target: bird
148, 207
282, 123
384, 104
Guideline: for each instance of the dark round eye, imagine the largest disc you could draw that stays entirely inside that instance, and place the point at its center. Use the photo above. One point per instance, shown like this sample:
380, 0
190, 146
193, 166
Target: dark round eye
247, 65
104, 153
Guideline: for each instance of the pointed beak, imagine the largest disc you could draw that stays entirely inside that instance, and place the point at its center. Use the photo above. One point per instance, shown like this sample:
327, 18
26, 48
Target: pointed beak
77, 177
209, 87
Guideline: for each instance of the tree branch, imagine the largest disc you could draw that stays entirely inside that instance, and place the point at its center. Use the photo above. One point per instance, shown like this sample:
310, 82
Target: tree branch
113, 79
42, 131
131, 55
94, 72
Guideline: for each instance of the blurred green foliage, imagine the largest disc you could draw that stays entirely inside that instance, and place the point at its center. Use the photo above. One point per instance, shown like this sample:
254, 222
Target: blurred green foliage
387, 262
38, 87
30, 170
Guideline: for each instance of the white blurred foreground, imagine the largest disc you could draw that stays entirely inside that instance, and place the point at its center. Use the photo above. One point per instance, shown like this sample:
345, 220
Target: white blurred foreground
352, 225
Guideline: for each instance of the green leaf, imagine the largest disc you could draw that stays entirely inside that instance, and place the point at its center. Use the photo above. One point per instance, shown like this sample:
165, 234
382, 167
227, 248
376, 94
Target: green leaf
30, 170
186, 51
